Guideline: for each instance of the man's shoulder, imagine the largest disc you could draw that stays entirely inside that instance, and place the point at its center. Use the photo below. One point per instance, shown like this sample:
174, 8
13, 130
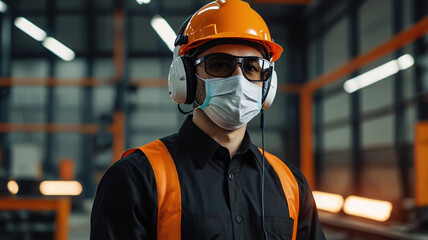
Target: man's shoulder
136, 158
298, 175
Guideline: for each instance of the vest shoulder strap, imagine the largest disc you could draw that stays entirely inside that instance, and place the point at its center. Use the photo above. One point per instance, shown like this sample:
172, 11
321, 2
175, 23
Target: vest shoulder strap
168, 186
169, 191
289, 186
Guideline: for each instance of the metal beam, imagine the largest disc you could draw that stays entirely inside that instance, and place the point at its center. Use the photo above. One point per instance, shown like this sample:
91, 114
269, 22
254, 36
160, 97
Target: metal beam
87, 159
48, 163
5, 67
49, 128
398, 41
306, 137
421, 51
319, 113
355, 108
121, 76
399, 103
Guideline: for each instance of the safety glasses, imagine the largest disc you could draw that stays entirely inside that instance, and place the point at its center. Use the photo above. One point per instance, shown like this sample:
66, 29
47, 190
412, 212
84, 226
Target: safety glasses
224, 65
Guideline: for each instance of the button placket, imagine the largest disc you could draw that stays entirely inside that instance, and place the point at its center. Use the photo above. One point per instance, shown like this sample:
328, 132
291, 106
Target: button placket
235, 197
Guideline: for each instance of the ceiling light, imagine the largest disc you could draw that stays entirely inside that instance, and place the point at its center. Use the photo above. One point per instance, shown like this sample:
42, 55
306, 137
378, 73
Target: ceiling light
60, 188
13, 187
58, 48
143, 1
163, 29
328, 201
3, 6
30, 29
379, 73
368, 208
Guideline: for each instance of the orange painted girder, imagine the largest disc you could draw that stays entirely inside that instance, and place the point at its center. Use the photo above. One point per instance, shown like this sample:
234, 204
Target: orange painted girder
421, 164
398, 41
62, 206
78, 82
49, 128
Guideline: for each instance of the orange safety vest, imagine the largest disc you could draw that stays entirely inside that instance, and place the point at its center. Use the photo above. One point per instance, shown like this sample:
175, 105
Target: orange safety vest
169, 192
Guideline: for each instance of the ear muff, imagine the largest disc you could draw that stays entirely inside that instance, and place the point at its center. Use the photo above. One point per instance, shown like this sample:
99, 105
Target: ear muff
181, 77
269, 90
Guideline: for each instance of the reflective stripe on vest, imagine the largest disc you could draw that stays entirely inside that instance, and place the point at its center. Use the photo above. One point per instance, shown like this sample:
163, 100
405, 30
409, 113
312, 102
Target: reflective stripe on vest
289, 186
169, 192
168, 186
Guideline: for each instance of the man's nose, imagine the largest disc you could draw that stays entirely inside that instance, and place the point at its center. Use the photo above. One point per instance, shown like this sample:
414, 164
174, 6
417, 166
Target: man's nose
238, 70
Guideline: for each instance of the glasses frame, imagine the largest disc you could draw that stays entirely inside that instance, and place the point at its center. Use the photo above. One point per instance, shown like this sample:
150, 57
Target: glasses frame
239, 60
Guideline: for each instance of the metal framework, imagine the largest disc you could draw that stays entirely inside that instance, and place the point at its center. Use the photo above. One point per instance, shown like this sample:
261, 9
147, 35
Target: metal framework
62, 207
306, 92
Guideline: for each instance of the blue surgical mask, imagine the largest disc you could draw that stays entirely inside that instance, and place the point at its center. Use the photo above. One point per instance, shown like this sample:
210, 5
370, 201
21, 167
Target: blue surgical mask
231, 102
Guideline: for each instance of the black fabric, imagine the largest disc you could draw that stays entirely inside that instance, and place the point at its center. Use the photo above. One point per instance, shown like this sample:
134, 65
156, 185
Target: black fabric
220, 196
190, 79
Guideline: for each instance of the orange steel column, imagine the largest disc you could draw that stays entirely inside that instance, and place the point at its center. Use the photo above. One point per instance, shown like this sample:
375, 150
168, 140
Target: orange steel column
421, 164
63, 214
62, 206
118, 128
306, 137
118, 50
66, 169
118, 135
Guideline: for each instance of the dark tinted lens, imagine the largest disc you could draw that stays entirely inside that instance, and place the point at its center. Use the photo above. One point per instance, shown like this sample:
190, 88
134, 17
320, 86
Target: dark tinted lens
252, 68
257, 69
220, 65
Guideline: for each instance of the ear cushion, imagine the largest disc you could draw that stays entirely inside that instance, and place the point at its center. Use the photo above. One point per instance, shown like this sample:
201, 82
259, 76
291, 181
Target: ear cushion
269, 90
190, 79
181, 79
177, 81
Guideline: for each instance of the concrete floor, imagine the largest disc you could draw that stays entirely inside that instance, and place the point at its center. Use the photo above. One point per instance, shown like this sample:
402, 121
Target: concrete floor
79, 227
80, 222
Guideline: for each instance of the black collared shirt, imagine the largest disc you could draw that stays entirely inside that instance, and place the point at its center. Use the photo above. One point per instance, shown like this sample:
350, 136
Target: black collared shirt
221, 197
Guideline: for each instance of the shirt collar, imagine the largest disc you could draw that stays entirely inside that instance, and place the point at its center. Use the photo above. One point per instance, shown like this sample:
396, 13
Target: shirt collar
202, 147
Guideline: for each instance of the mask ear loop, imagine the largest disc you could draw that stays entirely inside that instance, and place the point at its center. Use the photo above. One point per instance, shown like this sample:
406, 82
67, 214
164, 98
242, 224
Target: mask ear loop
199, 106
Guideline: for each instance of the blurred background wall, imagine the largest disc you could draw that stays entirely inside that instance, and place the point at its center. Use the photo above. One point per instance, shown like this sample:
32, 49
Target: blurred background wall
362, 143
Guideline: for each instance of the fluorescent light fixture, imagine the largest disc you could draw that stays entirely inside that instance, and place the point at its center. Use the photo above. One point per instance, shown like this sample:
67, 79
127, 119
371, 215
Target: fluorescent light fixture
328, 201
30, 29
13, 187
143, 1
368, 208
3, 6
58, 48
379, 73
163, 29
60, 188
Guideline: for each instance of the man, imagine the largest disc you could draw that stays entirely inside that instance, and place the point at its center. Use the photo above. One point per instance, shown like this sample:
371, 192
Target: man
209, 181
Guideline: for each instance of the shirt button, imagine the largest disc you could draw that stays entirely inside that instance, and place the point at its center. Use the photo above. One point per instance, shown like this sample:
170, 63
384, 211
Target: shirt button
238, 219
231, 176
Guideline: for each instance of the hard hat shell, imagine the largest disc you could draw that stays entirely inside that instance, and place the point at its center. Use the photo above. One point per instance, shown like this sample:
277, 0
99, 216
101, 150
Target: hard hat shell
228, 19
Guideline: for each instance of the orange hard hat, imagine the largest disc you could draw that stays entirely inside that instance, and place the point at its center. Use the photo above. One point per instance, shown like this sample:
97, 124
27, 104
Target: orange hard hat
228, 19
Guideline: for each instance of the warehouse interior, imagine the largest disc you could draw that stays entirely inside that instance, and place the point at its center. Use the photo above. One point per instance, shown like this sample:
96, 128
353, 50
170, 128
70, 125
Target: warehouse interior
69, 110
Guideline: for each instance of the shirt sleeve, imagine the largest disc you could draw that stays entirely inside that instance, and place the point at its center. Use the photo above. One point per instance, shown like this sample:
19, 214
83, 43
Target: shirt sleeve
309, 226
126, 201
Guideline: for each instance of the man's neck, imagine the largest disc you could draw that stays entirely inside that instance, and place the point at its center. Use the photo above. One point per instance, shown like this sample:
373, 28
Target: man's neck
230, 139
